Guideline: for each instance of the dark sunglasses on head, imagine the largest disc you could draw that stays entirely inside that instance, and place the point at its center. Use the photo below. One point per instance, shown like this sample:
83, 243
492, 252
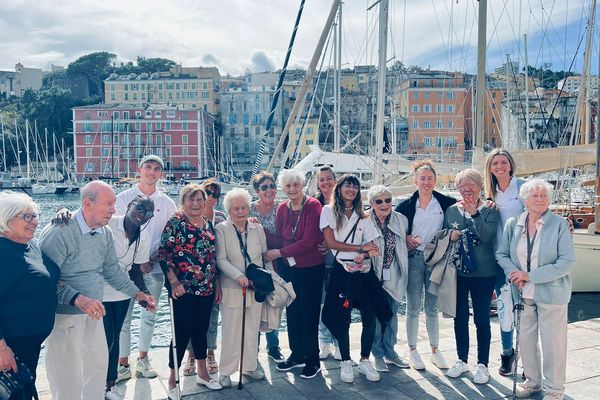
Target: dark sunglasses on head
214, 195
266, 187
29, 217
380, 201
147, 213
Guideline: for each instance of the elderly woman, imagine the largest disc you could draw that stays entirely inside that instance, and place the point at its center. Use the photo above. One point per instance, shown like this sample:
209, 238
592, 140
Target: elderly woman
425, 212
391, 269
537, 255
473, 220
236, 238
350, 234
187, 250
264, 210
297, 224
27, 288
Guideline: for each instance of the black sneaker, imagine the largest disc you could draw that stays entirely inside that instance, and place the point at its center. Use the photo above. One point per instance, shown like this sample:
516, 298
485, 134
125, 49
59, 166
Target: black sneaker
506, 364
289, 364
275, 355
310, 371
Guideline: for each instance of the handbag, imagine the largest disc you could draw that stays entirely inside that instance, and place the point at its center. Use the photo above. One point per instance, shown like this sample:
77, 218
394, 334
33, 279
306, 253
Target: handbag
261, 278
505, 308
11, 381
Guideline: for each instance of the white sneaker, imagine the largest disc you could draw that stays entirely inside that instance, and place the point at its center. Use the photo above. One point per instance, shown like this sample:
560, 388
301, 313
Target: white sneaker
438, 360
554, 396
481, 375
336, 353
380, 365
458, 369
346, 372
366, 368
415, 360
123, 373
114, 394
143, 368
324, 351
524, 390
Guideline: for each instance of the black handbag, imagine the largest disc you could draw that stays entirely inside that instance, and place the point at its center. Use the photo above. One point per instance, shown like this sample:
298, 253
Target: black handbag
11, 381
261, 278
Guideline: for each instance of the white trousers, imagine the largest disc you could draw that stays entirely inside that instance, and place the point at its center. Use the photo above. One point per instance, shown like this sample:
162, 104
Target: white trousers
76, 358
550, 321
231, 337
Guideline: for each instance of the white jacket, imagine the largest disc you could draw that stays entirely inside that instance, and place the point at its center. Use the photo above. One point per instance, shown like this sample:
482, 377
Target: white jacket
276, 301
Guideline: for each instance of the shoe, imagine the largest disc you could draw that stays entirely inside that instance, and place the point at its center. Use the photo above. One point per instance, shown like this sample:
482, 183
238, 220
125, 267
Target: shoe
366, 368
289, 364
336, 353
506, 364
275, 354
210, 384
415, 360
481, 375
324, 351
457, 369
397, 361
225, 381
380, 365
190, 367
310, 371
524, 390
211, 364
257, 374
143, 368
173, 394
123, 373
346, 372
554, 396
438, 360
114, 394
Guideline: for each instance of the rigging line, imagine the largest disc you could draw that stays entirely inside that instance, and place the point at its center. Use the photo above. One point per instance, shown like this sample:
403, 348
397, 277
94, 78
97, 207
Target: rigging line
544, 31
403, 32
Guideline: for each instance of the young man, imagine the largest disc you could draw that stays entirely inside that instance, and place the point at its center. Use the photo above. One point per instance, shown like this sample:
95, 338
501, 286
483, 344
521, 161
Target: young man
150, 171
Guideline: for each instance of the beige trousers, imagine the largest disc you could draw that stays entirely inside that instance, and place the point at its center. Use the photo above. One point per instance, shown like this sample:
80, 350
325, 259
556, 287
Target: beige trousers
550, 321
76, 358
231, 337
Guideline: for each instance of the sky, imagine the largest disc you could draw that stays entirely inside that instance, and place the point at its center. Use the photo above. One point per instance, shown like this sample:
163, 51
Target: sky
236, 35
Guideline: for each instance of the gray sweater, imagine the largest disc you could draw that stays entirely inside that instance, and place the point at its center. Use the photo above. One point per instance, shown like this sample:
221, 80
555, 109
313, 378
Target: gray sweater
84, 260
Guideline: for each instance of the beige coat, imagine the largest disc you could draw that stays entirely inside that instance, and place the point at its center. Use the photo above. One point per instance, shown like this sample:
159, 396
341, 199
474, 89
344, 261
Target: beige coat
442, 283
273, 306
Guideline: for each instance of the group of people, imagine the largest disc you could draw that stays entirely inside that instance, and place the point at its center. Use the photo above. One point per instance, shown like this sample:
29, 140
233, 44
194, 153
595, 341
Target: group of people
325, 255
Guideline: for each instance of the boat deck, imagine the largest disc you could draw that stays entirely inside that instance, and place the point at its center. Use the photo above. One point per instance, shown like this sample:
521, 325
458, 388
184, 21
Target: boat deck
583, 374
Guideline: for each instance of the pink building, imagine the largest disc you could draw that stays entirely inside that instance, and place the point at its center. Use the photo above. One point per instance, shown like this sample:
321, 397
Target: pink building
110, 139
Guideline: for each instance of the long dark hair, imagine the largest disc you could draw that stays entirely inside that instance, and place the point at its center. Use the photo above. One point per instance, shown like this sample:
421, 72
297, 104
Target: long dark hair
337, 202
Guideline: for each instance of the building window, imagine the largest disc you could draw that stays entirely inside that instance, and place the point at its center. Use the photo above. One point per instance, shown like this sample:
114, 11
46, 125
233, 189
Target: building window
87, 115
185, 165
415, 95
167, 139
167, 126
88, 152
246, 148
88, 139
184, 139
415, 124
257, 131
439, 108
451, 141
232, 132
427, 124
450, 95
105, 152
427, 95
439, 142
246, 131
107, 167
450, 124
89, 167
440, 95
88, 127
185, 151
427, 141
171, 114
113, 97
105, 139
184, 126
439, 124
414, 108
493, 120
450, 108
427, 108
157, 114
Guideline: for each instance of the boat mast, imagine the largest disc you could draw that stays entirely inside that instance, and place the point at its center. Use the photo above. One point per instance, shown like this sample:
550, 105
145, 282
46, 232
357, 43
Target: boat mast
27, 147
478, 156
381, 75
527, 118
3, 144
337, 88
597, 194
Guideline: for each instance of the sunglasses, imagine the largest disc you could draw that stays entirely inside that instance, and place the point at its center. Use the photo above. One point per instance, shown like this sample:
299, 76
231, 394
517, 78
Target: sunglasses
266, 187
141, 209
380, 201
214, 195
29, 217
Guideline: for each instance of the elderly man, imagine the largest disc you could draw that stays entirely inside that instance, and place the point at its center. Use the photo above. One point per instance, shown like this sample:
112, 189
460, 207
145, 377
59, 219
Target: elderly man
150, 171
76, 351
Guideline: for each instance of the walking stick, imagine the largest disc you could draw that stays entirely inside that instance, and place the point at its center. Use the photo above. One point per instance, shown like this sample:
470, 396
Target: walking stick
175, 361
243, 331
518, 308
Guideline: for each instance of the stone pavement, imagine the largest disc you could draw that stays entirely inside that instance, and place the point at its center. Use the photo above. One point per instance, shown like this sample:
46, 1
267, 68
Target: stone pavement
583, 373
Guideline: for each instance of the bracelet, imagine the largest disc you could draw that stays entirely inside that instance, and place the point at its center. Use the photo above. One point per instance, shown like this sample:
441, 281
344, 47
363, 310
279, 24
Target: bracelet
361, 249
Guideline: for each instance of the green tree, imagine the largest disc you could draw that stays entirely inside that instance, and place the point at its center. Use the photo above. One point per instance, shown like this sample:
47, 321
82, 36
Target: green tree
151, 65
95, 67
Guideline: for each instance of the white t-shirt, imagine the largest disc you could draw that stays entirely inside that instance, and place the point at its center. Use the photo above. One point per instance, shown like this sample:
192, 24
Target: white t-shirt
509, 205
428, 221
365, 231
126, 254
164, 208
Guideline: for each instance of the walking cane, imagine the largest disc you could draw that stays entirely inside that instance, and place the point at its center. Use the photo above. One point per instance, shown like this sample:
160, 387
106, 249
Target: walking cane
518, 308
175, 361
243, 331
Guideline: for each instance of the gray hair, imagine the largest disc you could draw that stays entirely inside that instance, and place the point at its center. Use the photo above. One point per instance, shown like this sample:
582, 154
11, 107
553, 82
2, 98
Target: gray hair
236, 194
11, 204
535, 184
288, 176
92, 189
471, 174
377, 191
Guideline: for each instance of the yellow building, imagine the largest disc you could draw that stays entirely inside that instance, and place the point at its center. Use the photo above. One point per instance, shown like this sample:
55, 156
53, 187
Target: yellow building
308, 138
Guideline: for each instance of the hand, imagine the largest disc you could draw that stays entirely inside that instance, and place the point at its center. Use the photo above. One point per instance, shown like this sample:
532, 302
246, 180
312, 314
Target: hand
243, 281
490, 204
469, 204
218, 293
570, 225
7, 358
254, 220
61, 217
359, 259
146, 268
369, 247
146, 301
177, 289
517, 277
455, 235
412, 242
92, 307
271, 255
323, 247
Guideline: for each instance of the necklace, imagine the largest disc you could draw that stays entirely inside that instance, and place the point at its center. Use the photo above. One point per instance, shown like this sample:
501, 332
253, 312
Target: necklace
198, 223
348, 208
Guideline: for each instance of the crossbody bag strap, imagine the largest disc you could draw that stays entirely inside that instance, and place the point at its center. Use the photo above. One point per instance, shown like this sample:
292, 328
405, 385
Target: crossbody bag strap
351, 233
243, 246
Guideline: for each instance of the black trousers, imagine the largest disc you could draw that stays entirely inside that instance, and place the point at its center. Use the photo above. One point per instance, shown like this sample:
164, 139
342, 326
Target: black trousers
113, 322
481, 297
27, 350
303, 313
191, 318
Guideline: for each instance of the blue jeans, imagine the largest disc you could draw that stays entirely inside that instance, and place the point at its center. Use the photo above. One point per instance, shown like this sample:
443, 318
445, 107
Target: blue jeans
272, 339
154, 283
213, 327
418, 280
506, 337
383, 346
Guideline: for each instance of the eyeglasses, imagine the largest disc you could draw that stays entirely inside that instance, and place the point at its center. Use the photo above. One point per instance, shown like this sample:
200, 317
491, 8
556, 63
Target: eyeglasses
28, 217
141, 209
266, 187
214, 195
380, 201
349, 185
467, 186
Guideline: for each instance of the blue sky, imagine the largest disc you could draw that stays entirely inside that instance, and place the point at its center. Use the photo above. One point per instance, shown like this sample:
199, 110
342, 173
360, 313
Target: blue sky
235, 35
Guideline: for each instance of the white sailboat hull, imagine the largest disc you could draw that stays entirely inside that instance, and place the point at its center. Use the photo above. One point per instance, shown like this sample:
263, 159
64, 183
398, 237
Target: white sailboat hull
586, 272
